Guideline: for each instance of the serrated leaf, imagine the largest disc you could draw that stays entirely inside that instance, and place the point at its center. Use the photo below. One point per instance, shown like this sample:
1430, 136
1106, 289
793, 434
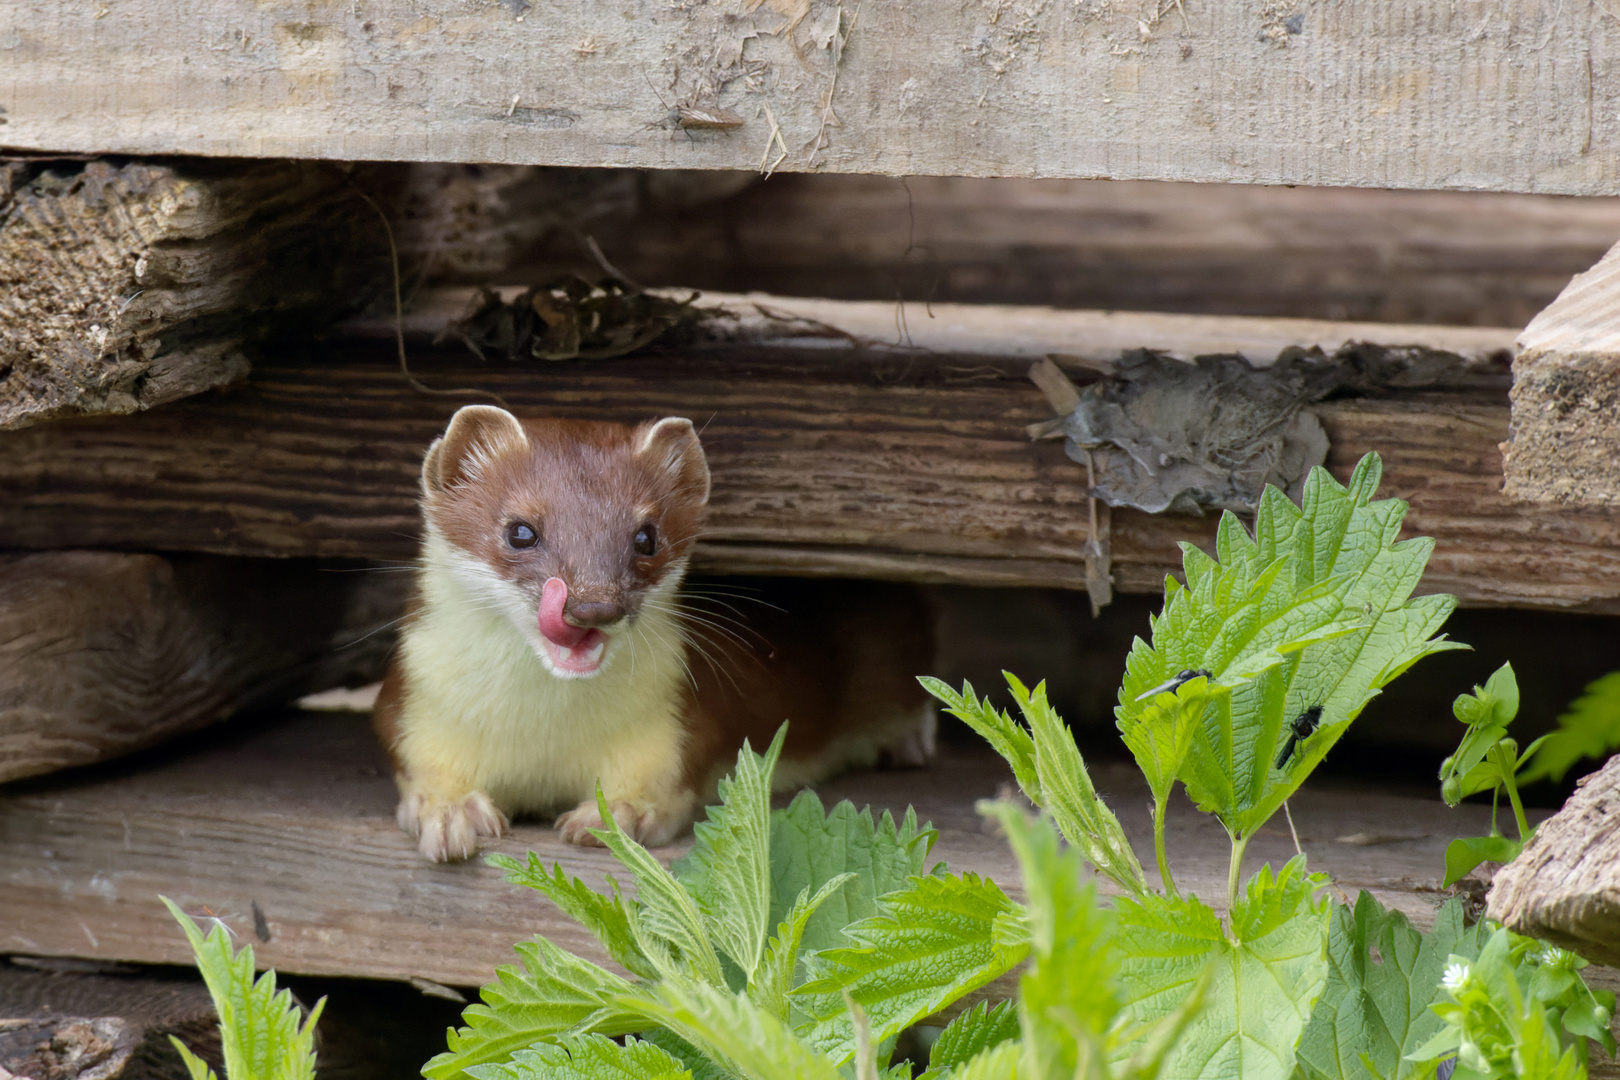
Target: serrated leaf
1070, 995
701, 1066
669, 929
196, 1067
1004, 734
1000, 1062
776, 974
1382, 977
552, 993
587, 1057
1160, 734
1312, 610
747, 1040
930, 943
603, 916
811, 846
261, 1037
1589, 728
1263, 986
972, 1033
728, 870
1067, 793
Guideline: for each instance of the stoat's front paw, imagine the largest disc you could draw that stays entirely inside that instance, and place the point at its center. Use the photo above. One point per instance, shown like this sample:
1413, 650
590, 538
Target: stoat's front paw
648, 826
448, 830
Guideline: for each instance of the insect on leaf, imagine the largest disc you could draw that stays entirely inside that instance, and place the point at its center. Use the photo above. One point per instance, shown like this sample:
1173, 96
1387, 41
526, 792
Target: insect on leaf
1314, 610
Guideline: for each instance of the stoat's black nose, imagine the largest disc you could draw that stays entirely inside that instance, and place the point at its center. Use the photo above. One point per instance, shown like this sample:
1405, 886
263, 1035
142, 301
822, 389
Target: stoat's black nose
595, 613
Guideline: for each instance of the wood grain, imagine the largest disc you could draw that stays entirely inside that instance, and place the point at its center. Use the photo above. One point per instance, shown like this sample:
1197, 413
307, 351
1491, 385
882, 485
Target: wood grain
102, 652
298, 818
128, 285
1566, 396
826, 461
1388, 93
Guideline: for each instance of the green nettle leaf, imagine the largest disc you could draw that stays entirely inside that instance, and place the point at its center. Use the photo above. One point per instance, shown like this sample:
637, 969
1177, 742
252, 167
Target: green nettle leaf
1590, 728
930, 943
553, 993
972, 1033
603, 916
728, 870
1000, 1062
668, 927
747, 1040
701, 1066
1068, 794
1160, 734
1002, 732
776, 974
811, 846
1267, 976
1070, 995
260, 1034
587, 1057
1382, 977
1465, 853
1311, 612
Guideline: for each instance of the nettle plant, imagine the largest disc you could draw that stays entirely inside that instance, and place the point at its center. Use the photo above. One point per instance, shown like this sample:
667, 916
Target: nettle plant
797, 944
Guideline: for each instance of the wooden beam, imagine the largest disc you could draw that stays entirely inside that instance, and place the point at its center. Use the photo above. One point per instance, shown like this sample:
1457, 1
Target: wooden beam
1565, 441
827, 460
1564, 886
296, 820
1386, 94
127, 286
102, 652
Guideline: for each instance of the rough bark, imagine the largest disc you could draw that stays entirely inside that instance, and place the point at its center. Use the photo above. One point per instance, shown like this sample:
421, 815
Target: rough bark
124, 286
1565, 885
102, 653
1565, 442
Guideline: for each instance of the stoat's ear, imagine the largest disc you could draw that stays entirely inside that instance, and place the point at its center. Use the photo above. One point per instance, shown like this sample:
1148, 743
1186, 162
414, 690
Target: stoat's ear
477, 435
671, 444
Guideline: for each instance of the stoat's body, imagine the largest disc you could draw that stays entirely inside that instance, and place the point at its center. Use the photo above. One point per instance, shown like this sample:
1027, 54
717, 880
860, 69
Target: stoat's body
549, 650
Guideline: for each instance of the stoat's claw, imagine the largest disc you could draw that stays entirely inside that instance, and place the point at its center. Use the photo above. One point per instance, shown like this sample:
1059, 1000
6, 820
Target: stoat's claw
448, 830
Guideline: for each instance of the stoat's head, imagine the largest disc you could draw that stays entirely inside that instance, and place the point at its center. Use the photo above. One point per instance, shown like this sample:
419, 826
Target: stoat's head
569, 528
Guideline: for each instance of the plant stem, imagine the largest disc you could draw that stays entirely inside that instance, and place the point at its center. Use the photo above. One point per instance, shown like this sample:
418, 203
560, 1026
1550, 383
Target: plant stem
1235, 873
1506, 762
1158, 848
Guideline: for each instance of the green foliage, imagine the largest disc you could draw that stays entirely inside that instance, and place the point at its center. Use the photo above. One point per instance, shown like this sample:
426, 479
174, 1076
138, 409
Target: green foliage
1382, 977
1507, 1012
975, 1031
260, 1033
1590, 728
1051, 772
929, 944
1268, 964
1312, 610
603, 916
587, 1057
747, 1041
1486, 760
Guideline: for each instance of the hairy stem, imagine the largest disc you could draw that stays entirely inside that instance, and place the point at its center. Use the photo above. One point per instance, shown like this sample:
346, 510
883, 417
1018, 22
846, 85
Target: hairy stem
1158, 848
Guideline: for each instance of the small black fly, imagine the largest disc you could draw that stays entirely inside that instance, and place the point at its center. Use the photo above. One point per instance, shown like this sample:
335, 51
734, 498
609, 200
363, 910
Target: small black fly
1170, 686
1300, 730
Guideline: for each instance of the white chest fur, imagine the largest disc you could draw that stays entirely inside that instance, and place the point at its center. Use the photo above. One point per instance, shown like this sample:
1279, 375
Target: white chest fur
481, 710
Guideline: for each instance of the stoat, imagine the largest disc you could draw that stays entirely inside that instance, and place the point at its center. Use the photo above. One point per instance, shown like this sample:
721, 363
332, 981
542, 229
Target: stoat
550, 648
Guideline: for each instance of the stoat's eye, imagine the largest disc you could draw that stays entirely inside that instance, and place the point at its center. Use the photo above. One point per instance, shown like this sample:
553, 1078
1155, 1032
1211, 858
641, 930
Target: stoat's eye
647, 540
520, 534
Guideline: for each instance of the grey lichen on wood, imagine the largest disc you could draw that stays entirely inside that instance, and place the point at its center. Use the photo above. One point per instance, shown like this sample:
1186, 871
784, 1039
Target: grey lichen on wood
1565, 885
1406, 93
102, 652
1565, 442
126, 286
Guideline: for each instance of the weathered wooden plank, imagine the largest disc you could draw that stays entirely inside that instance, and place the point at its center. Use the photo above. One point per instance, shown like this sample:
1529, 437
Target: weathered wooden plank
1386, 93
1566, 396
103, 653
297, 819
1435, 257
124, 286
826, 461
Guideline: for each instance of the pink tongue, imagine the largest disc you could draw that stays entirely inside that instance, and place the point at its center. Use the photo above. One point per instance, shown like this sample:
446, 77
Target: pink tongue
556, 629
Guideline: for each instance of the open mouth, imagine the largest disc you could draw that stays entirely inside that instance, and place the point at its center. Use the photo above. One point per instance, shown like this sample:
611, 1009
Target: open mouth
582, 657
